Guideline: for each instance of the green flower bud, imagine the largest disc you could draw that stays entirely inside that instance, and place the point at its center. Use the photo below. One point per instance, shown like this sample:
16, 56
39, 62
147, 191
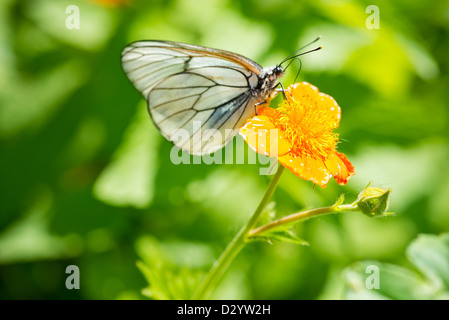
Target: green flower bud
374, 201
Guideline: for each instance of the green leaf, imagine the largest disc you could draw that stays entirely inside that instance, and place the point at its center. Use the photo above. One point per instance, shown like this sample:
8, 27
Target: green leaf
172, 270
428, 253
268, 214
395, 282
340, 200
129, 179
280, 236
168, 284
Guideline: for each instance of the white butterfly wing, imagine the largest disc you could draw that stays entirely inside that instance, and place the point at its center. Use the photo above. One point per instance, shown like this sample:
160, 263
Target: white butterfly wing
198, 97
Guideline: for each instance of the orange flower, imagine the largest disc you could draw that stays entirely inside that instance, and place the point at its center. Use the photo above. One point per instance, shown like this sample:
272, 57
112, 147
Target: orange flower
300, 134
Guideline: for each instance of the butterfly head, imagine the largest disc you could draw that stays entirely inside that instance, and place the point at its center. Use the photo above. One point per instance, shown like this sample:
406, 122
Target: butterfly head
272, 73
268, 80
277, 72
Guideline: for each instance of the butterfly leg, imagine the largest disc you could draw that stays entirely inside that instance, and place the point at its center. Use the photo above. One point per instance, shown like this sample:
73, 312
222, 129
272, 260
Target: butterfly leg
281, 89
258, 104
277, 90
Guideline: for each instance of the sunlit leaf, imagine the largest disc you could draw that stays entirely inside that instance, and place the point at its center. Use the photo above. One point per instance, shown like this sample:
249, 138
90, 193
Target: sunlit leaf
91, 17
129, 179
280, 236
28, 105
394, 282
169, 278
430, 254
377, 280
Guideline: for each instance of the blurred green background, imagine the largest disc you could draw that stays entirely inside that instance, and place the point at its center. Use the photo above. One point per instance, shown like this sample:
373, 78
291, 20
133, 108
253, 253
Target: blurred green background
86, 179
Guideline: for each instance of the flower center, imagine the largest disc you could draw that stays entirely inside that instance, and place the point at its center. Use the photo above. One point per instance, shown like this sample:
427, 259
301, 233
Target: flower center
308, 125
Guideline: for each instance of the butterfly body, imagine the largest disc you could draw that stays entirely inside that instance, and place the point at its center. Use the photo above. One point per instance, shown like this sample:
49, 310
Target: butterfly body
207, 93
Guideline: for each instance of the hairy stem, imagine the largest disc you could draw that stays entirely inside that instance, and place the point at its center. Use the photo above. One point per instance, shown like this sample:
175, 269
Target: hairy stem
234, 247
300, 216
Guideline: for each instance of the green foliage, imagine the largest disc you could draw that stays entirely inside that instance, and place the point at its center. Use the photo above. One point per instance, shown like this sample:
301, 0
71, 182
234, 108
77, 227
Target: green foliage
280, 235
85, 176
170, 268
429, 255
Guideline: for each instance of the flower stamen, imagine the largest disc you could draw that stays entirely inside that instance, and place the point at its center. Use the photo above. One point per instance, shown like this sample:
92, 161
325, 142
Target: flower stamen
306, 121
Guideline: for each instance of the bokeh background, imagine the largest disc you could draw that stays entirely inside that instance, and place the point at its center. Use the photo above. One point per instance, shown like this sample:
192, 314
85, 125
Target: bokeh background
87, 180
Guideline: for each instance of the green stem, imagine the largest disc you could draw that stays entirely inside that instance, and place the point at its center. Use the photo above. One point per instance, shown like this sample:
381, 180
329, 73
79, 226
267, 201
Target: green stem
236, 244
302, 216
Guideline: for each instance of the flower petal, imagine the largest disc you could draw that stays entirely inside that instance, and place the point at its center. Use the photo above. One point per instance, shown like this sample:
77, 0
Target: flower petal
333, 108
307, 168
340, 167
262, 136
304, 91
301, 135
269, 112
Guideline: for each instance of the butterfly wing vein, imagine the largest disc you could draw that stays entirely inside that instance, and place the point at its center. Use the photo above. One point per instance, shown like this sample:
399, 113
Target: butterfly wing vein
198, 97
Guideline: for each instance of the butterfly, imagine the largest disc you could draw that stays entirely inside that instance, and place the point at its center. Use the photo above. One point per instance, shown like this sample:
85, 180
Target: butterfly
206, 93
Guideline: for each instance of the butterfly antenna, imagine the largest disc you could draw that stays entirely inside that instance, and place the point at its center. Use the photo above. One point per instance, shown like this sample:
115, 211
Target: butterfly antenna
296, 53
301, 54
300, 67
288, 65
300, 61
